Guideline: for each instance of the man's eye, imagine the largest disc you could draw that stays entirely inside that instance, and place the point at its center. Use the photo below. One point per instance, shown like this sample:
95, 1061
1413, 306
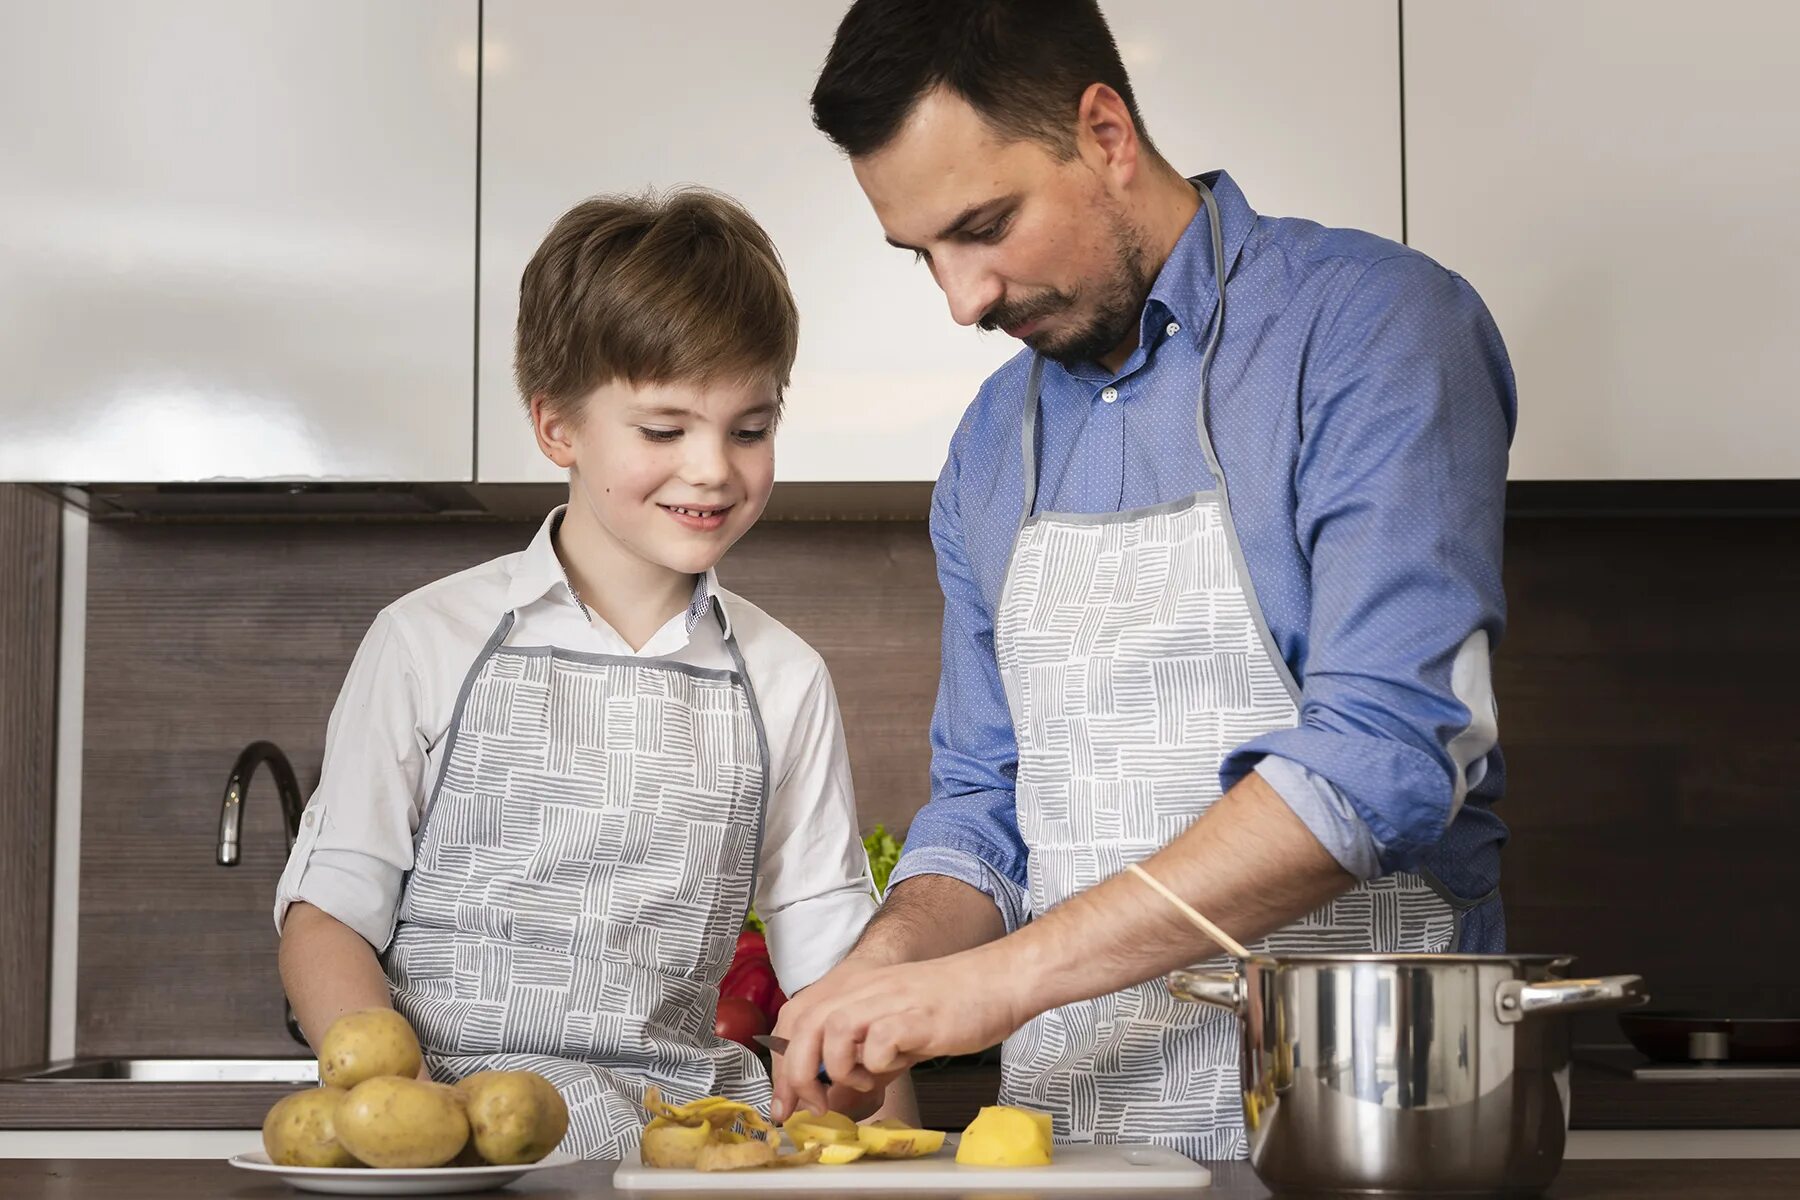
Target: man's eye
751, 436
990, 233
658, 435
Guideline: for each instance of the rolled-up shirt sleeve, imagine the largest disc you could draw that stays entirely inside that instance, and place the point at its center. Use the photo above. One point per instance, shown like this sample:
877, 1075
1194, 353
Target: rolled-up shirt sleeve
356, 836
1401, 488
969, 829
814, 891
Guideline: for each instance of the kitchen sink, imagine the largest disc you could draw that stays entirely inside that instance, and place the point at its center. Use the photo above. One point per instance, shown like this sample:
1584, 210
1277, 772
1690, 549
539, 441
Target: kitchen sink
172, 1070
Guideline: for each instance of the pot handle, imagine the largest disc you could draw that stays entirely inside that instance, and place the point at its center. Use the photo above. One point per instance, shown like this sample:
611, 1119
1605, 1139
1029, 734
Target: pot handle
1221, 989
1514, 1000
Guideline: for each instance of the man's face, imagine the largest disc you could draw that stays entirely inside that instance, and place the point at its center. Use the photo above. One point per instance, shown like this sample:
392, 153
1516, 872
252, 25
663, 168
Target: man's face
1018, 239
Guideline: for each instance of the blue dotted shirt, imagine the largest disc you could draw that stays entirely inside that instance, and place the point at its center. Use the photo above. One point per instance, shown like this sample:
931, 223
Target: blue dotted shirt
1361, 408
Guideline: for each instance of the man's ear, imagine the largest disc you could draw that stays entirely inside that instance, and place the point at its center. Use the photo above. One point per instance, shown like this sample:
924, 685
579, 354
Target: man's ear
554, 430
1105, 130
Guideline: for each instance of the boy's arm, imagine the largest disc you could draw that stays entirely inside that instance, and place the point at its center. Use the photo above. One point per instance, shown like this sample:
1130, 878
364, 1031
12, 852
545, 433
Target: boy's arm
337, 896
328, 970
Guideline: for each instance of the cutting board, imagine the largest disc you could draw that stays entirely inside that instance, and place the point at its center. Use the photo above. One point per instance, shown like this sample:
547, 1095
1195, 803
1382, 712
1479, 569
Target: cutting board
1095, 1168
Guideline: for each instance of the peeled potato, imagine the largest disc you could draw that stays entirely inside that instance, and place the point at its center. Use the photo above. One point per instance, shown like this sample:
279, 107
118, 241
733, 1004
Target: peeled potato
301, 1130
828, 1129
1003, 1136
391, 1121
514, 1116
670, 1144
896, 1139
363, 1044
837, 1156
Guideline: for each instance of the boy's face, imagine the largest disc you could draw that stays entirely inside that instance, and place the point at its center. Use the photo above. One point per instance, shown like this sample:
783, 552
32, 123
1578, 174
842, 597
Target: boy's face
674, 473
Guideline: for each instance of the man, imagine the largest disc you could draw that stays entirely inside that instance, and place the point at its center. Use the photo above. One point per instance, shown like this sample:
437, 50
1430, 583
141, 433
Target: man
1220, 554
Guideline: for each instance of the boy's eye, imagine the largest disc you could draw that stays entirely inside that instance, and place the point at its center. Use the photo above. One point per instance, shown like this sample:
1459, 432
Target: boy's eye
751, 436
658, 435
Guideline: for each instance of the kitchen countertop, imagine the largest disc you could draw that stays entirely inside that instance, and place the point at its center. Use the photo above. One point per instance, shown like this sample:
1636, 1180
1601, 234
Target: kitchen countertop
1603, 1097
185, 1179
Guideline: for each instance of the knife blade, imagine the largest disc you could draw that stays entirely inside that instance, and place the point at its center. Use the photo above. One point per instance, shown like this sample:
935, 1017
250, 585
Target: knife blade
779, 1045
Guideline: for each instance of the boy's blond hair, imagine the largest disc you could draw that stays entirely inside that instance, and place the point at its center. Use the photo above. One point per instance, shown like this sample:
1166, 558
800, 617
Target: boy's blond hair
680, 287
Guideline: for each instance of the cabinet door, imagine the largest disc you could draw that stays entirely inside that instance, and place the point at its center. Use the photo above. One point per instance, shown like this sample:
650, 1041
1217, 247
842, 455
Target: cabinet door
1616, 178
237, 239
1301, 104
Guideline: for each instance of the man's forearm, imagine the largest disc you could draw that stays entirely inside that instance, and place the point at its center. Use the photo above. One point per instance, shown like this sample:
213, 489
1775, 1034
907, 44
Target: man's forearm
328, 970
1249, 864
928, 916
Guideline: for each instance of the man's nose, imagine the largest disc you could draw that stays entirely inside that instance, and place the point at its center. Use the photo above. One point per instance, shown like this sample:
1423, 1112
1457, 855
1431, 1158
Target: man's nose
971, 292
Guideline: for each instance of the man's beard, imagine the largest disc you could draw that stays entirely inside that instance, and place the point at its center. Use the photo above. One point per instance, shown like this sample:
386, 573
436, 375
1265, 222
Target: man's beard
1119, 302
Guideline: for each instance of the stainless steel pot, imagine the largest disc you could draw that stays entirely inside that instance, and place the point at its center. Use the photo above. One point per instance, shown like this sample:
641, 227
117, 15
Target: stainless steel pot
1405, 1074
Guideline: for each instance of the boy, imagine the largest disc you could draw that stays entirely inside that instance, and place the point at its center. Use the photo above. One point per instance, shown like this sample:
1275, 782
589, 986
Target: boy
554, 783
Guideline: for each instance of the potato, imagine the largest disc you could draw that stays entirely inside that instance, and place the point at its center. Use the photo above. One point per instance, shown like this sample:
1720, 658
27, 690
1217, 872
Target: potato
390, 1121
837, 1156
514, 1116
720, 1155
896, 1139
363, 1044
828, 1129
1003, 1136
301, 1130
669, 1143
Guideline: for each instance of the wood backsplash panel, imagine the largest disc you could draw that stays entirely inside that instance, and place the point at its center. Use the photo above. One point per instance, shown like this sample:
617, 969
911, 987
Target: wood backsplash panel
1646, 710
1651, 725
30, 553
205, 637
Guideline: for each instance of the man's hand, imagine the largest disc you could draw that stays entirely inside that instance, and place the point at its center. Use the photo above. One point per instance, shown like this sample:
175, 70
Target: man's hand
867, 1024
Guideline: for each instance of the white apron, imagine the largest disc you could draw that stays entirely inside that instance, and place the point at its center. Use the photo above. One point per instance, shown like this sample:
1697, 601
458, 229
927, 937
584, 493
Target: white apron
580, 877
1135, 659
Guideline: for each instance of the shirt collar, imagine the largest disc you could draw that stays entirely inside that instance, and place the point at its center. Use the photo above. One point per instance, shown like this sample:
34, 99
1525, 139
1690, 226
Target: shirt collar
1186, 288
539, 574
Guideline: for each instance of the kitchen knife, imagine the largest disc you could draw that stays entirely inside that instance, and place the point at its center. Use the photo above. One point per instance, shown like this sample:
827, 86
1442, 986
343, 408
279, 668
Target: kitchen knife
779, 1046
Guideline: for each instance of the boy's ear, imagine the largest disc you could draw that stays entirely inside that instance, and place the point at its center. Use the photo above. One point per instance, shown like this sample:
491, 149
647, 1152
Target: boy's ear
555, 436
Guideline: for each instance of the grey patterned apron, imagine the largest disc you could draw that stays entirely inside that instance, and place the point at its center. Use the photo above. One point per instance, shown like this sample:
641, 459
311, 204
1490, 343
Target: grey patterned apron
1135, 658
580, 877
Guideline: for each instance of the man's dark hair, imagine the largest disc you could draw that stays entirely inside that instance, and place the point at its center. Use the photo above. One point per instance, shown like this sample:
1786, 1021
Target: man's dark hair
1022, 64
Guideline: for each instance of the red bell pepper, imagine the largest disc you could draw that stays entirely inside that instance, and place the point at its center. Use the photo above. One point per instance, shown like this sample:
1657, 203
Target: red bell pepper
752, 976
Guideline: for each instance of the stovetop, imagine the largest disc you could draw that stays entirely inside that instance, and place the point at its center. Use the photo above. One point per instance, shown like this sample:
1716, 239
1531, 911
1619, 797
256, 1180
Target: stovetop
1627, 1061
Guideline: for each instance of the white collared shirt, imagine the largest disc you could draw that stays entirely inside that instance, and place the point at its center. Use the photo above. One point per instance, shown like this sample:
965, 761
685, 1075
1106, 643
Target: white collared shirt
385, 747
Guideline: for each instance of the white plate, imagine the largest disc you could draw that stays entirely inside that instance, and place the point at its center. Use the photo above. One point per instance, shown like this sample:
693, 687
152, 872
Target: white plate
395, 1181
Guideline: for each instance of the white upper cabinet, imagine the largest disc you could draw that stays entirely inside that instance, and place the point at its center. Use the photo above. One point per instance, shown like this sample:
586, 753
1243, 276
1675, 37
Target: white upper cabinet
1299, 101
1617, 179
237, 239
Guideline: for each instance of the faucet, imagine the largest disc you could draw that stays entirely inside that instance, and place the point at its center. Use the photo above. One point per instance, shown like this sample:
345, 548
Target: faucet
231, 813
237, 786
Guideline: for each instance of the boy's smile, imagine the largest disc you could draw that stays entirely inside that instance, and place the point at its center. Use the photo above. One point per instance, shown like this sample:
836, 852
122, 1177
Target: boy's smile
701, 518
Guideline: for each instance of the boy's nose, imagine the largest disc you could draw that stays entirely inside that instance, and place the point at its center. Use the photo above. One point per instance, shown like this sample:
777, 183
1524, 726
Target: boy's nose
706, 462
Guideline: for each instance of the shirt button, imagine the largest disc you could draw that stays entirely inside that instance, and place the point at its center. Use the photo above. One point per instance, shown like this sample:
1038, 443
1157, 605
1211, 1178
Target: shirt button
309, 818
1173, 328
1110, 394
